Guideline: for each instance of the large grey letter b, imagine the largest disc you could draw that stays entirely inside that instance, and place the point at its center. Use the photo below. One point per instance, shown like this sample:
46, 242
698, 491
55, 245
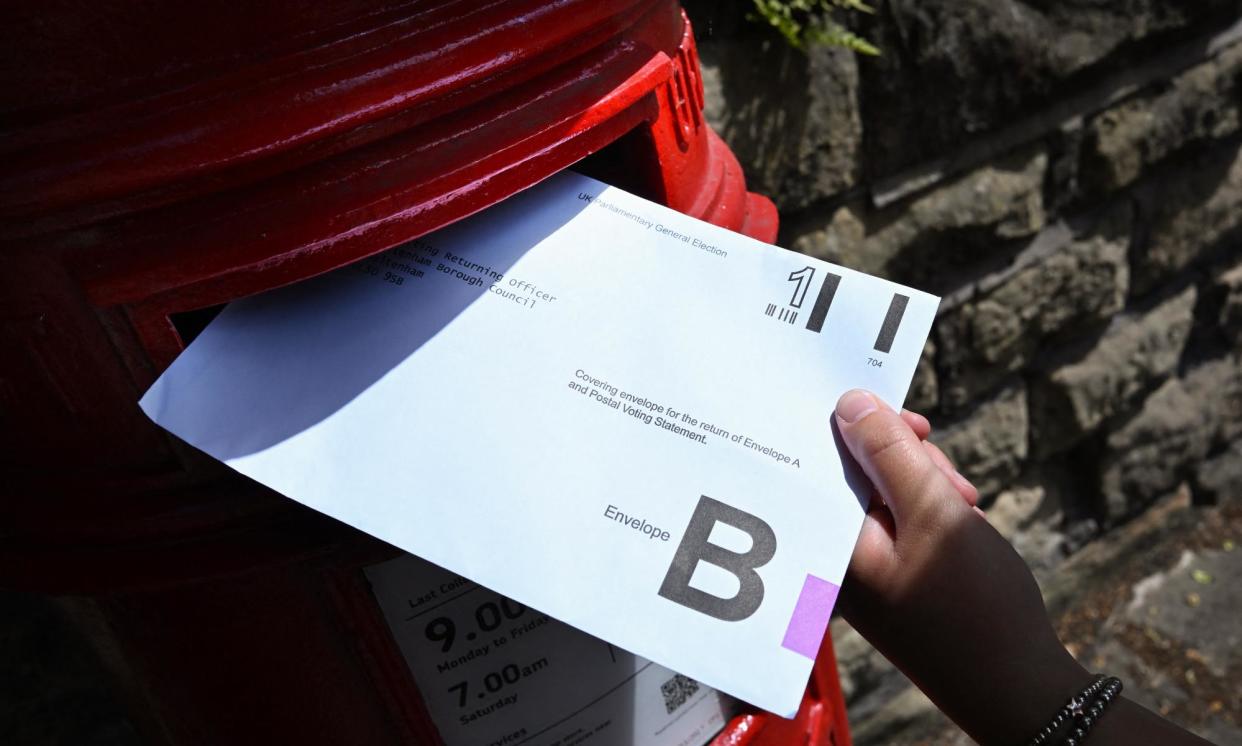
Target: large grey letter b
695, 547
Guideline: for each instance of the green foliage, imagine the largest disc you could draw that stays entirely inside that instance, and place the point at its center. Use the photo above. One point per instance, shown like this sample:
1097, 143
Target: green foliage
805, 23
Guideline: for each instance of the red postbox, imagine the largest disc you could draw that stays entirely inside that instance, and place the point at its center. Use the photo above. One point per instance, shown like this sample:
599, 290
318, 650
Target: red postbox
162, 160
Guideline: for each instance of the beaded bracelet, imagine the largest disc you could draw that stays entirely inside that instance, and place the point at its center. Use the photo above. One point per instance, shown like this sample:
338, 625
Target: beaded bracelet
1084, 709
1085, 717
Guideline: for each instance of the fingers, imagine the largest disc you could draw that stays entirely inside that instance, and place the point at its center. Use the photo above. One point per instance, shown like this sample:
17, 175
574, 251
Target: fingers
921, 427
893, 458
963, 485
917, 422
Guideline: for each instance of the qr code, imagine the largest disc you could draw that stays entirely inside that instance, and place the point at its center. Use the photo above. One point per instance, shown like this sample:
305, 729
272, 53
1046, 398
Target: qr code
677, 690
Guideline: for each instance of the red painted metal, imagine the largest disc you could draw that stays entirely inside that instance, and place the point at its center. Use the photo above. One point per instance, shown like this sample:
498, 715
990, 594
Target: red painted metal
161, 160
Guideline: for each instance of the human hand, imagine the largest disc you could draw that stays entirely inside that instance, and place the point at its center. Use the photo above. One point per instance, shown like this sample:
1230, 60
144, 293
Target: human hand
939, 592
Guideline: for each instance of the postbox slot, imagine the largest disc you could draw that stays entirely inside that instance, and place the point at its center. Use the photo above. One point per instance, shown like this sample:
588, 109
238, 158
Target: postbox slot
189, 324
614, 164
621, 163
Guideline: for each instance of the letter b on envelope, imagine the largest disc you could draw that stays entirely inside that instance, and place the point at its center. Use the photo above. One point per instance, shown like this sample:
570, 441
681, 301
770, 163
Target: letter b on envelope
695, 547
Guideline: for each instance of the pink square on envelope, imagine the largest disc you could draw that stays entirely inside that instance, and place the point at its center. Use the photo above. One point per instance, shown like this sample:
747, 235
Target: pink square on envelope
810, 616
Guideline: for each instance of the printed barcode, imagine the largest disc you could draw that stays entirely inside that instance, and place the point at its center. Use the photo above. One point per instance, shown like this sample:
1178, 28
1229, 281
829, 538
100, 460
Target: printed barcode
677, 690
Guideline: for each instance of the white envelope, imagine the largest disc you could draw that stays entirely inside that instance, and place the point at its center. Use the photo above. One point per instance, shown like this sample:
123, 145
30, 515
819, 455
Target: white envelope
597, 406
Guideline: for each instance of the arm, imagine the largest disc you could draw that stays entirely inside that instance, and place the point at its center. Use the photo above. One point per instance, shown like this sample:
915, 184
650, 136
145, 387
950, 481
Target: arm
945, 598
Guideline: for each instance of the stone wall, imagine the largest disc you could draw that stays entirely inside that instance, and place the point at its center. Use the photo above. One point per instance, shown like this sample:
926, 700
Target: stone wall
1067, 174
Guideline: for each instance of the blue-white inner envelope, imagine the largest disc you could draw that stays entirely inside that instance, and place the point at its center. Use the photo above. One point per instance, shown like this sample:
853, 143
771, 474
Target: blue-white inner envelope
604, 409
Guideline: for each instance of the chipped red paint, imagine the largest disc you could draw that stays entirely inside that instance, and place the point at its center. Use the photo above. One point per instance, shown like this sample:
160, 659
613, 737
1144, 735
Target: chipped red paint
162, 158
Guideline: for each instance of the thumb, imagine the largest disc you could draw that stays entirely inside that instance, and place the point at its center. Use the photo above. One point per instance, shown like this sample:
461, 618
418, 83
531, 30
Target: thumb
892, 457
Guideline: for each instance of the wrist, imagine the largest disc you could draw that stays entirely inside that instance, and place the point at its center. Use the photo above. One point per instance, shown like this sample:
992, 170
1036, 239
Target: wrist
1016, 698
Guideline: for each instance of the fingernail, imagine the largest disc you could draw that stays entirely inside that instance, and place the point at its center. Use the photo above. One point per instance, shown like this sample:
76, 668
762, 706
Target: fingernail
855, 405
